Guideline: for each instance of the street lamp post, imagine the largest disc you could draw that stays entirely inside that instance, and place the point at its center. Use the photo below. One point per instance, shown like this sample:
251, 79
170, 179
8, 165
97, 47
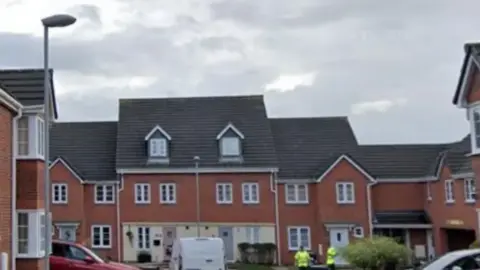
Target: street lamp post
54, 21
197, 184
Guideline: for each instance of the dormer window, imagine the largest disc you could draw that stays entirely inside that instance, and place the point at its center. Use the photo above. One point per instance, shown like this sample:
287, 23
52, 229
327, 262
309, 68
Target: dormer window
230, 147
158, 142
158, 148
230, 143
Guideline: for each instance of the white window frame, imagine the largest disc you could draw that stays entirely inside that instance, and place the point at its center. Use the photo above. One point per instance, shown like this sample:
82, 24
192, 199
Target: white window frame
158, 148
35, 245
221, 193
252, 234
62, 197
474, 134
146, 241
296, 194
40, 124
470, 190
104, 199
249, 187
449, 187
167, 187
144, 199
23, 132
342, 186
298, 230
358, 232
101, 236
226, 147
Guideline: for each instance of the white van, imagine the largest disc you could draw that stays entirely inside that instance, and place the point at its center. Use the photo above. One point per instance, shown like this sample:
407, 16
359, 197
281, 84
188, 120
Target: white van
198, 253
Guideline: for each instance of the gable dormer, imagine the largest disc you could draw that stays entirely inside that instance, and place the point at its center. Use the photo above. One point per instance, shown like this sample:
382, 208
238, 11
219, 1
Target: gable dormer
158, 145
230, 144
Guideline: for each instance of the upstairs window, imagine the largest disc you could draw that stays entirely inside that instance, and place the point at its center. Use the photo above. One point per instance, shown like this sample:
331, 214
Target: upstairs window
142, 193
104, 194
250, 193
23, 144
224, 193
158, 148
345, 193
168, 193
230, 147
470, 190
40, 137
296, 193
449, 191
475, 129
59, 193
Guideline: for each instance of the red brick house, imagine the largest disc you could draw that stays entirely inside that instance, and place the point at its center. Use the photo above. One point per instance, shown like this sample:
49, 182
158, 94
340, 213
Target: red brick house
22, 163
127, 186
130, 185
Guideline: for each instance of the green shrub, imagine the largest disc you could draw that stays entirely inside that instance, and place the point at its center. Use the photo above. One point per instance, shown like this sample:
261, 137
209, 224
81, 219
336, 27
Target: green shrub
375, 253
474, 244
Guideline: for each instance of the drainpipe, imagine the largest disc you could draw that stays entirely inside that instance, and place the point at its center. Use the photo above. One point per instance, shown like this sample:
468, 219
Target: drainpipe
273, 182
369, 208
14, 188
119, 225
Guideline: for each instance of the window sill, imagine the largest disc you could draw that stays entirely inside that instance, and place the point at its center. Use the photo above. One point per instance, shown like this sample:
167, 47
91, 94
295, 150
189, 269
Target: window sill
142, 203
450, 202
470, 201
297, 202
345, 202
168, 202
296, 248
158, 160
30, 157
60, 203
227, 203
37, 255
107, 203
231, 159
101, 247
251, 202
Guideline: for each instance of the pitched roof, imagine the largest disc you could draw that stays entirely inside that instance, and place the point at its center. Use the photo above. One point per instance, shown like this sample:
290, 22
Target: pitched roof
87, 147
471, 50
398, 161
26, 85
304, 145
456, 156
194, 123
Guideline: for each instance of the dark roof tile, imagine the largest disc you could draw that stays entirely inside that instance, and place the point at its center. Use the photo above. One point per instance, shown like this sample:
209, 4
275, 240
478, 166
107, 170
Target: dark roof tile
87, 147
193, 123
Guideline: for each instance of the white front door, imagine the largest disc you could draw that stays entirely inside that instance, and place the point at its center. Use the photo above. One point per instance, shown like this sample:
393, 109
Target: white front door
67, 233
339, 238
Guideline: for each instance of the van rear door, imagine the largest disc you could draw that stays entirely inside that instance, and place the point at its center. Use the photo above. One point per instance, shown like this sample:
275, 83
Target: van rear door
203, 254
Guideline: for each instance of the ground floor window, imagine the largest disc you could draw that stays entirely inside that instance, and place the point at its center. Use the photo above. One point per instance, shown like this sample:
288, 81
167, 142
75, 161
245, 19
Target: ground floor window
143, 238
101, 236
298, 237
31, 226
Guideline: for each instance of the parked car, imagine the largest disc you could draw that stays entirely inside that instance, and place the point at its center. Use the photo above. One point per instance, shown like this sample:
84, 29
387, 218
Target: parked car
467, 259
73, 256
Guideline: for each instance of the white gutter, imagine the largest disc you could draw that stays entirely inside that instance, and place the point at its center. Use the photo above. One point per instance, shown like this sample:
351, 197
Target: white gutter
14, 233
9, 101
273, 182
119, 228
369, 208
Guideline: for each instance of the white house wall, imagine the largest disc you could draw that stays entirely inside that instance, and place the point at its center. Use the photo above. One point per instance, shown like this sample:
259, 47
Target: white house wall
130, 250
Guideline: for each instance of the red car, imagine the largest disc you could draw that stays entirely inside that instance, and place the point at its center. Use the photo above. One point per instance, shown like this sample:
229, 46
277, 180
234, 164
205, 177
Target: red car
73, 256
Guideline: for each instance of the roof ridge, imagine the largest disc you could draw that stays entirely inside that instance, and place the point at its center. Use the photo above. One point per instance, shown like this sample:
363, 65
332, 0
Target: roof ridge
308, 117
194, 97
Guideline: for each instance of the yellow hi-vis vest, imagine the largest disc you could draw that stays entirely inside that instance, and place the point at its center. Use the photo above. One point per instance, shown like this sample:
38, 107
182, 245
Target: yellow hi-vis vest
302, 259
331, 253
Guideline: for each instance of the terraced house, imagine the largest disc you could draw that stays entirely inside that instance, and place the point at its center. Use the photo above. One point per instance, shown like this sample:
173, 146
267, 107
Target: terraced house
22, 215
131, 185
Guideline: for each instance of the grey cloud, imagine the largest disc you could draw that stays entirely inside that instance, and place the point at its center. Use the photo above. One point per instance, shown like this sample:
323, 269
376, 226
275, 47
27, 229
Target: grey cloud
361, 52
89, 12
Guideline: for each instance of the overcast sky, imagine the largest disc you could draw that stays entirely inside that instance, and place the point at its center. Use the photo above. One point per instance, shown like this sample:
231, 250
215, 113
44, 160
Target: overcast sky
391, 66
